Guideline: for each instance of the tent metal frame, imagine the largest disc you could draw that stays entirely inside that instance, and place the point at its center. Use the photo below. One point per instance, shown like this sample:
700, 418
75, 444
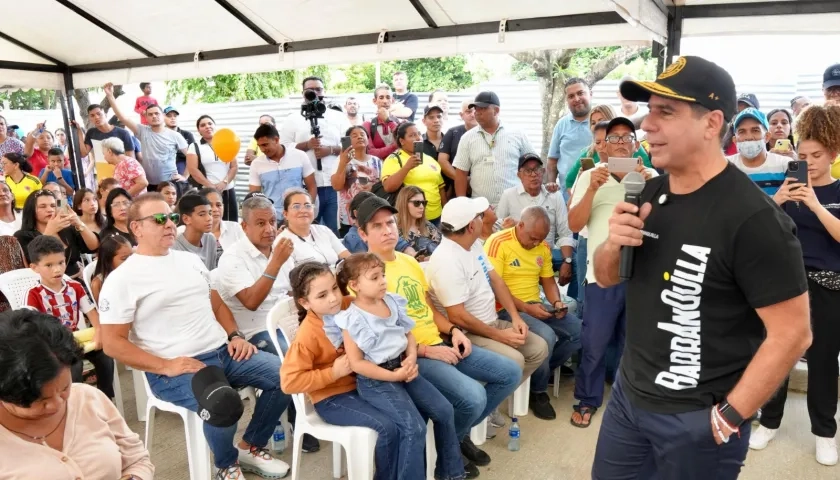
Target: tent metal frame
664, 53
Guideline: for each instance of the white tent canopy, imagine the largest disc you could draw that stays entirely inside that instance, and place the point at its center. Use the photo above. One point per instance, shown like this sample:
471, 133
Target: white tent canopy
153, 40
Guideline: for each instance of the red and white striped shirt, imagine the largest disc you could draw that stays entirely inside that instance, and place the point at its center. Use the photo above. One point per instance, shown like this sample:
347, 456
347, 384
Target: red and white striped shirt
63, 305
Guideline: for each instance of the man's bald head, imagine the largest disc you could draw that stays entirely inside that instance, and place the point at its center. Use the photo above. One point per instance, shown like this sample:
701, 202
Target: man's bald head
534, 225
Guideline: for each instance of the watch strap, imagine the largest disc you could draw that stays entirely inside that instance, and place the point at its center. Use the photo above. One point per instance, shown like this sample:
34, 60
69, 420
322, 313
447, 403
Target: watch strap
729, 414
234, 334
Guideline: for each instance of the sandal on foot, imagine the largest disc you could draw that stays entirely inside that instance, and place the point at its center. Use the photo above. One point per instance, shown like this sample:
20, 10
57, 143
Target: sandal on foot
583, 410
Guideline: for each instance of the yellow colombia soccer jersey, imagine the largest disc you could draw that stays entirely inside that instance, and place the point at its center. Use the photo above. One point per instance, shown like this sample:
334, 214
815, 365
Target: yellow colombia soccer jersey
406, 277
519, 268
21, 190
835, 169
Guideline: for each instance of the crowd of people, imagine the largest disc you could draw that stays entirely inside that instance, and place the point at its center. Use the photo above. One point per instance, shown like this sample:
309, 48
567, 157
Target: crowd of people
428, 271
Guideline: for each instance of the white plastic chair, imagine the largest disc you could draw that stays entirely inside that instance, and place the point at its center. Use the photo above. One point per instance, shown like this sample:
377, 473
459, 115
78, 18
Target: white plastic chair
87, 275
358, 442
16, 283
198, 451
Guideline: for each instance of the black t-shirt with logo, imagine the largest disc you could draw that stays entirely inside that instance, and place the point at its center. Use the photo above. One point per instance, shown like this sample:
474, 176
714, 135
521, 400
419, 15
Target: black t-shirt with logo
709, 259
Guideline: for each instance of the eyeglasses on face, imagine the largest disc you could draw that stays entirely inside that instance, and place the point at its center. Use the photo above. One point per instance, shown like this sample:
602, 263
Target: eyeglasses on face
124, 204
161, 218
533, 171
623, 138
362, 180
419, 203
296, 207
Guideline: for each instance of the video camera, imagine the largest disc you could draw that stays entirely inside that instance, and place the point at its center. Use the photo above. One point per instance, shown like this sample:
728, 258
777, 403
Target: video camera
312, 109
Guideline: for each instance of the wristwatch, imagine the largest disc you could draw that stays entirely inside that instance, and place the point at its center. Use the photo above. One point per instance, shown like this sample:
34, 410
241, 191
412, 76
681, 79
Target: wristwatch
234, 334
567, 260
729, 414
454, 327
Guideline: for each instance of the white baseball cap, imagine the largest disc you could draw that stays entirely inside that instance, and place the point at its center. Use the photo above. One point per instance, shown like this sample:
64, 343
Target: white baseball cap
460, 211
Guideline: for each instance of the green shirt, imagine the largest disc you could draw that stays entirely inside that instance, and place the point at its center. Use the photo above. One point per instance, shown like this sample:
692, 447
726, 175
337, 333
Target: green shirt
572, 176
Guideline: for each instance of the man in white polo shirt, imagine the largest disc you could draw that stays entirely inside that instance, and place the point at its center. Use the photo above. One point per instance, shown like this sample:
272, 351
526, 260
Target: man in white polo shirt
159, 315
597, 192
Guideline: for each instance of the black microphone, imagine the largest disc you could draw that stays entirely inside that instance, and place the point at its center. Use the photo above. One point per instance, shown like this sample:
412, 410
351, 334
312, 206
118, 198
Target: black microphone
634, 183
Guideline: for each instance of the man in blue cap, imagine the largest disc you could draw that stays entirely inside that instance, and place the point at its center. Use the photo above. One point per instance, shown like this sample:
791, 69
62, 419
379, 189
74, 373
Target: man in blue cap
752, 133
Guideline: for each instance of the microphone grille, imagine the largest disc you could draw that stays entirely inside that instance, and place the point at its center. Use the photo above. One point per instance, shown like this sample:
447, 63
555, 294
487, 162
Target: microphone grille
634, 183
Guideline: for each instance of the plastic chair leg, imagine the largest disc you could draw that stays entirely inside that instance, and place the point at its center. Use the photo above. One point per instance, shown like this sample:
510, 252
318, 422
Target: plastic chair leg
198, 451
360, 467
338, 464
150, 427
478, 434
556, 382
140, 397
518, 404
297, 448
431, 452
118, 398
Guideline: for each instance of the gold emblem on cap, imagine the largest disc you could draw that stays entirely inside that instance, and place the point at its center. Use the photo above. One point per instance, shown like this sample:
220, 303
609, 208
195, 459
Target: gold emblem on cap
672, 69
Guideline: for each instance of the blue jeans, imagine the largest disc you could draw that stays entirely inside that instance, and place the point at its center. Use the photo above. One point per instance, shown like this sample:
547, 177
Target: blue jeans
328, 208
636, 443
261, 371
603, 323
263, 341
406, 404
580, 271
349, 410
563, 338
460, 384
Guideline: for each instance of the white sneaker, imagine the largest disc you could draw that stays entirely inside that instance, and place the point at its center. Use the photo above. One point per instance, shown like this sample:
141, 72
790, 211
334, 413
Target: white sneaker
496, 419
826, 451
259, 461
230, 473
761, 437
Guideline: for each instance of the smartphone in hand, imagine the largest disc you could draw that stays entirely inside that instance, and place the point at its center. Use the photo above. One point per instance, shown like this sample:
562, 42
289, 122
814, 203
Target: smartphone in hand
798, 169
783, 144
418, 148
587, 163
345, 143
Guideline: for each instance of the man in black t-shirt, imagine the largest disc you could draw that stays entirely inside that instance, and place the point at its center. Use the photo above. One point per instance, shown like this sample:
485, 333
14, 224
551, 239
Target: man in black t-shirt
449, 146
717, 305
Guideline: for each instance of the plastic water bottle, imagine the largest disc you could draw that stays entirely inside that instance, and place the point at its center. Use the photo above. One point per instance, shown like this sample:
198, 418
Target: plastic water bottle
513, 443
278, 439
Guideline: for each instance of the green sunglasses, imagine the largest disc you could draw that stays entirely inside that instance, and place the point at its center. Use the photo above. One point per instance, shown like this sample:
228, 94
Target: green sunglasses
161, 218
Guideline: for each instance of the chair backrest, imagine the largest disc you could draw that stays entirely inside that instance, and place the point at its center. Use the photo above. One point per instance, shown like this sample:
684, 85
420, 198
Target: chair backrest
16, 283
283, 316
87, 275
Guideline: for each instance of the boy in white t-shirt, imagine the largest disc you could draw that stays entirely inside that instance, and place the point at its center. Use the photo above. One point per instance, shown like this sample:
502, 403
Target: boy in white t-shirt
160, 316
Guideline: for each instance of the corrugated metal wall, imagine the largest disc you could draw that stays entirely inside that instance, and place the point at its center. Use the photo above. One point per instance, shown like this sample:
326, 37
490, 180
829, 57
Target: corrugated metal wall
520, 108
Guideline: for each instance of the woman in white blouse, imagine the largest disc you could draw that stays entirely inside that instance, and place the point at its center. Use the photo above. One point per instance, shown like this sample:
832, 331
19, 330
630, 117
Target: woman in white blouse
226, 232
52, 428
207, 170
311, 242
9, 220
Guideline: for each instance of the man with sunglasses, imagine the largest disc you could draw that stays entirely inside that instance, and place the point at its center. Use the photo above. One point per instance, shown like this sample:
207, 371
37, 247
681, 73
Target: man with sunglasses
179, 325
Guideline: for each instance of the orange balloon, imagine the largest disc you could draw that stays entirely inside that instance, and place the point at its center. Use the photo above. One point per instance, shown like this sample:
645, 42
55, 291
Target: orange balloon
226, 144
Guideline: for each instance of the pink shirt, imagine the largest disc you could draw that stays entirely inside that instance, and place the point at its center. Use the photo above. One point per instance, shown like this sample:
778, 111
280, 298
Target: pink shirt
97, 445
127, 171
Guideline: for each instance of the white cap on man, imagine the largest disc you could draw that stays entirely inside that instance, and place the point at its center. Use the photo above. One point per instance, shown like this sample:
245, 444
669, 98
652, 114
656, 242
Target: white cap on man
460, 211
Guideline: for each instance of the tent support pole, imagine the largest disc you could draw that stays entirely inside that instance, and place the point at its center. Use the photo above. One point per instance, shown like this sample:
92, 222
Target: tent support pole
675, 24
658, 52
68, 114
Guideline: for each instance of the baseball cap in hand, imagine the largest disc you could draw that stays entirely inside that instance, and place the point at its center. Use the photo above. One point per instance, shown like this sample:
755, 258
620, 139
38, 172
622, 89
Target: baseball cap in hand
689, 79
831, 77
218, 403
485, 99
460, 211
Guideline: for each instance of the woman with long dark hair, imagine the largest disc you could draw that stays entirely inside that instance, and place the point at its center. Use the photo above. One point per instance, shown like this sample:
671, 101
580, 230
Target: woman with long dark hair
103, 188
19, 177
113, 251
41, 216
116, 215
357, 172
206, 170
9, 221
87, 208
63, 430
814, 209
781, 128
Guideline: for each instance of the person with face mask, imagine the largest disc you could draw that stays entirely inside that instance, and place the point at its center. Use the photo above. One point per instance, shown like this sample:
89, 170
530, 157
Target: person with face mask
764, 168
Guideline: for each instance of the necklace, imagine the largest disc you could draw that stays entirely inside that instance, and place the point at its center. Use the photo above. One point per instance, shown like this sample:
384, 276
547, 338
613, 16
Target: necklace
43, 439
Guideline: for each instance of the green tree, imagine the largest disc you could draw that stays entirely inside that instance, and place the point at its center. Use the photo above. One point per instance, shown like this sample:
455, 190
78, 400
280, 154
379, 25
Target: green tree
30, 99
240, 87
551, 68
424, 75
